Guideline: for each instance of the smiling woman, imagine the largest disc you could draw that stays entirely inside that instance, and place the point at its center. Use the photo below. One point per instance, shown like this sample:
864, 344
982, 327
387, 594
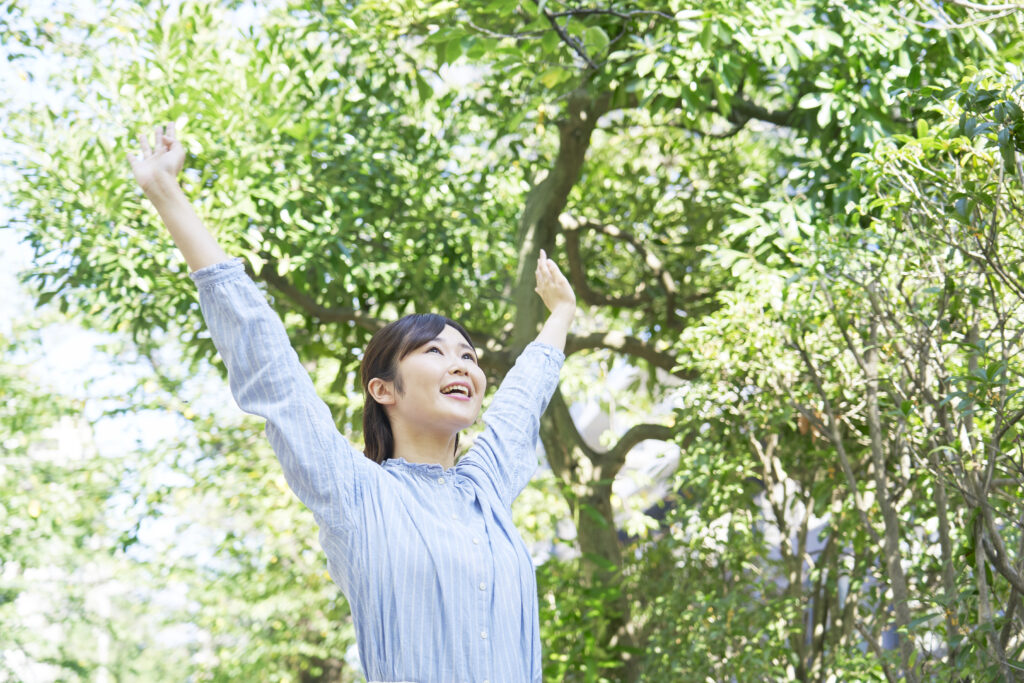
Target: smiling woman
450, 595
397, 352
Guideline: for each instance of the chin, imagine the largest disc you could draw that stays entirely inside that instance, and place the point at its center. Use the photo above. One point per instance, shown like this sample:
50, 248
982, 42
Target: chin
466, 424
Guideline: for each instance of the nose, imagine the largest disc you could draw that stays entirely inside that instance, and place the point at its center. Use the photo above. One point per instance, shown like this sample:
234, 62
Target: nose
460, 366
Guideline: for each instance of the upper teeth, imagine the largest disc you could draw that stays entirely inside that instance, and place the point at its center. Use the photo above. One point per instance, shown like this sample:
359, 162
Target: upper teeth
455, 387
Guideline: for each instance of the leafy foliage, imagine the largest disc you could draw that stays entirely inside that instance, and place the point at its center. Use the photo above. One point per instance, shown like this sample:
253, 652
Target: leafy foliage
800, 220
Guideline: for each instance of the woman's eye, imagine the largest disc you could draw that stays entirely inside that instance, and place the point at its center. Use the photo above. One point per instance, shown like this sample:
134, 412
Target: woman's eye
469, 356
433, 348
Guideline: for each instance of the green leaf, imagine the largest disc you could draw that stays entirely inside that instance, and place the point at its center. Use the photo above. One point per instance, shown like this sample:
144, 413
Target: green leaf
596, 40
707, 35
824, 115
453, 50
423, 88
45, 297
553, 76
923, 619
645, 64
810, 101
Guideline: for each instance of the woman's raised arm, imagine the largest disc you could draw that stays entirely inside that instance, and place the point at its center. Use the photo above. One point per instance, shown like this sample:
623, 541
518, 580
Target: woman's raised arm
264, 372
506, 450
157, 171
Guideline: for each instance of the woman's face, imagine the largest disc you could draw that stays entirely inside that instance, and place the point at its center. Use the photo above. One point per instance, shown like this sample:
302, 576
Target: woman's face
439, 385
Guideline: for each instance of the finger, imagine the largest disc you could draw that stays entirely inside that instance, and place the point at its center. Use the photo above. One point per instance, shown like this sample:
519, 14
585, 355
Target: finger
171, 130
132, 159
542, 275
168, 136
164, 142
144, 145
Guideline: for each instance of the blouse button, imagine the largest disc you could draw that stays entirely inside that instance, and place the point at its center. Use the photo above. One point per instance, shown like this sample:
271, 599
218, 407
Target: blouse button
454, 516
476, 541
483, 634
440, 480
483, 586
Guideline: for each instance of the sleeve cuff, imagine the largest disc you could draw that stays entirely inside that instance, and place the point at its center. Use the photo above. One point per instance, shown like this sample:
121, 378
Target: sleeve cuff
218, 272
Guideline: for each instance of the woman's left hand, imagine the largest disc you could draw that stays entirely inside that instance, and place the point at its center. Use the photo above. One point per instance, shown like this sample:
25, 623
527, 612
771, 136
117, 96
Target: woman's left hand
553, 287
161, 162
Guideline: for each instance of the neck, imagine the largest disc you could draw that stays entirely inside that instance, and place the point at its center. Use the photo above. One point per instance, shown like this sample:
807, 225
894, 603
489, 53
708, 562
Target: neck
422, 446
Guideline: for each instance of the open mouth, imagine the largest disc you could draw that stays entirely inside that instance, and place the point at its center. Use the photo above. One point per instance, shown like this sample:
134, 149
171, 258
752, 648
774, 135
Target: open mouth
457, 390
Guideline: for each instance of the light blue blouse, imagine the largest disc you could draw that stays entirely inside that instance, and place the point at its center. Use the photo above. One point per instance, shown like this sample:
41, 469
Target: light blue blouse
440, 583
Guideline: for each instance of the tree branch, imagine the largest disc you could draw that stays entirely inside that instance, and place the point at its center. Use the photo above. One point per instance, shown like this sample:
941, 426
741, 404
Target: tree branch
1010, 6
869, 638
611, 12
494, 357
515, 36
737, 127
630, 346
560, 412
833, 434
633, 436
996, 550
748, 110
1004, 635
571, 228
578, 277
539, 223
567, 39
268, 273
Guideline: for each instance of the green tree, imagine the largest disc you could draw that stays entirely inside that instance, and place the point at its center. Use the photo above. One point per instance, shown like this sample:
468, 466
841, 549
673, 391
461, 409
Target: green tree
860, 485
56, 569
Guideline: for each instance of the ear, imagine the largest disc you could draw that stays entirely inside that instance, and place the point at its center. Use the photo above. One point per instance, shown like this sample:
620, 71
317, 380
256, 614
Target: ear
382, 392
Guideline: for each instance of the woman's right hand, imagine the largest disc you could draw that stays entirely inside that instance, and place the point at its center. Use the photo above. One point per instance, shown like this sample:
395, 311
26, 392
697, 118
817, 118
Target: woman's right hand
159, 163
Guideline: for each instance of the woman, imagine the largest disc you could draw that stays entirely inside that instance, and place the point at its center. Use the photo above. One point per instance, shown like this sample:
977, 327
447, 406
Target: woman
439, 581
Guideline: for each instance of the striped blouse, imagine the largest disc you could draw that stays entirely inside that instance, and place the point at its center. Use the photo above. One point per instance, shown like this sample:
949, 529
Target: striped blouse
439, 581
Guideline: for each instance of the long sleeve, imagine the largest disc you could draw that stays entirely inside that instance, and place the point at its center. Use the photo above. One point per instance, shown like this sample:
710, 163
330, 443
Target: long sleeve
507, 449
267, 380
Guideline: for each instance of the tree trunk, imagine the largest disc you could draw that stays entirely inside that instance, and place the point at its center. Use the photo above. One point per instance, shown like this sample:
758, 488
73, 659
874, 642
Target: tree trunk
591, 486
890, 515
539, 224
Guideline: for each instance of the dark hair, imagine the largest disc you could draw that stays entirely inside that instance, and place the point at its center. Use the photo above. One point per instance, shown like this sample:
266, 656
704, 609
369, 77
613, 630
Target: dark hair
387, 347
